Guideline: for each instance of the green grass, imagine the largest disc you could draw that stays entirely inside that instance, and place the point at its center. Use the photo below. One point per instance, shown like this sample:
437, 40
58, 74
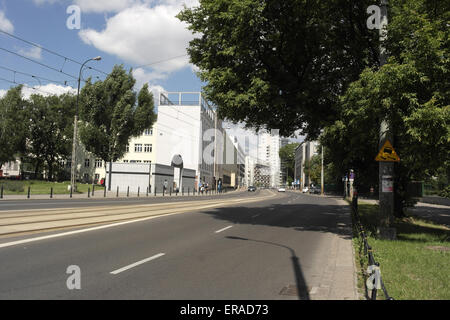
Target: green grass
409, 269
42, 187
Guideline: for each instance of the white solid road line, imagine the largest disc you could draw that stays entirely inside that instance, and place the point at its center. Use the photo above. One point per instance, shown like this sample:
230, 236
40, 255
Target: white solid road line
137, 263
218, 231
256, 215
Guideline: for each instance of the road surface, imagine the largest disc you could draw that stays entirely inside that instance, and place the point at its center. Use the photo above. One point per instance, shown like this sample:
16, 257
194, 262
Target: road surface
279, 246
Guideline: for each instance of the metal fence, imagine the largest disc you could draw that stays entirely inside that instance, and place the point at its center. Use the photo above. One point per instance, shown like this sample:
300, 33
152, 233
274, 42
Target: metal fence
374, 282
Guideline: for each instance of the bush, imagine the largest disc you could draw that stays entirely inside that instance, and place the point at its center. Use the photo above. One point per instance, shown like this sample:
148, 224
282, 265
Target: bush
445, 193
14, 186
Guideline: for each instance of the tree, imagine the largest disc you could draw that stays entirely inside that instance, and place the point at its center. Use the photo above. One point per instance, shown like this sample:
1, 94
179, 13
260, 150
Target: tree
111, 114
313, 169
412, 89
49, 138
280, 64
287, 157
12, 126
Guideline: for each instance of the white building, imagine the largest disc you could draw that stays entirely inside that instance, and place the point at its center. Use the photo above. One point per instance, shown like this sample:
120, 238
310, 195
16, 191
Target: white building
268, 154
185, 126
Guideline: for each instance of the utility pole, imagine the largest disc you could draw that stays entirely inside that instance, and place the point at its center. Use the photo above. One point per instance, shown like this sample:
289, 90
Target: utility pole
73, 172
386, 169
321, 176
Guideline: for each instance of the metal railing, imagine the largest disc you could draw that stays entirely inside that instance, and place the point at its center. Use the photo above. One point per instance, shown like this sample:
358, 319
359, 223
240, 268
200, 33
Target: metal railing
374, 281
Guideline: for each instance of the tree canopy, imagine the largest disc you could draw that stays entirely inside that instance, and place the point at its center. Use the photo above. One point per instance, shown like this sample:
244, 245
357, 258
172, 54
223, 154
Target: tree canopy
280, 64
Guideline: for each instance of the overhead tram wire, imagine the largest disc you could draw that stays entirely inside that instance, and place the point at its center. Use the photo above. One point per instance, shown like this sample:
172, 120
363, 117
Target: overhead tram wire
48, 50
63, 82
26, 85
40, 63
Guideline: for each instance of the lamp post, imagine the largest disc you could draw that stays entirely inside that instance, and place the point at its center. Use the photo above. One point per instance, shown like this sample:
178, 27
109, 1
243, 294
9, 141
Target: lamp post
75, 129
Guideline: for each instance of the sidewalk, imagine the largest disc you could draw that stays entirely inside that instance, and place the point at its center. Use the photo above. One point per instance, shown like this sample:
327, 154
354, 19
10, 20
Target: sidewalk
339, 281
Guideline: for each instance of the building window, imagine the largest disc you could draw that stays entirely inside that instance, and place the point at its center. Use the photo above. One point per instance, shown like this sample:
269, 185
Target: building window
147, 161
148, 132
98, 163
147, 148
127, 149
125, 161
138, 147
87, 163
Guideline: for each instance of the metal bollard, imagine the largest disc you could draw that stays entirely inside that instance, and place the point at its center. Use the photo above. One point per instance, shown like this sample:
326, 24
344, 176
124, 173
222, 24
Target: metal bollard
139, 189
188, 191
128, 192
71, 191
170, 191
155, 191
104, 193
1, 192
51, 192
182, 191
89, 192
117, 194
146, 193
93, 188
29, 192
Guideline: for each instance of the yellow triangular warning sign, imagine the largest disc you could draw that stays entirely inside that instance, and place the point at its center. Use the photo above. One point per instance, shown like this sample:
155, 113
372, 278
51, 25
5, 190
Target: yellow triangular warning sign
387, 153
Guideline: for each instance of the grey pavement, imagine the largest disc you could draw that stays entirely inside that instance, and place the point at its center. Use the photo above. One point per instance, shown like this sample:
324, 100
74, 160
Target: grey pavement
286, 247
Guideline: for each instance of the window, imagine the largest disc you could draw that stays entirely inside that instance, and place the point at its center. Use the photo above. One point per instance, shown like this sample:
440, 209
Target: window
98, 163
87, 163
148, 132
147, 161
138, 147
147, 148
127, 149
125, 161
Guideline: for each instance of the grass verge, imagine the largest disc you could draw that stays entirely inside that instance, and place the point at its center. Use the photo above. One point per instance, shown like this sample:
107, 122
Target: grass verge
413, 267
38, 187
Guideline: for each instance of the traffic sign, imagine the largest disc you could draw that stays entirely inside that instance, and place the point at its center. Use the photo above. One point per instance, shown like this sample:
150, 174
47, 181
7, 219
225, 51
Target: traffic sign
387, 153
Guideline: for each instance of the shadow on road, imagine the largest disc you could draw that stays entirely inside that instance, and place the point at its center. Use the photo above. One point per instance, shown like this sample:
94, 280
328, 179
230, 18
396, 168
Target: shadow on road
302, 290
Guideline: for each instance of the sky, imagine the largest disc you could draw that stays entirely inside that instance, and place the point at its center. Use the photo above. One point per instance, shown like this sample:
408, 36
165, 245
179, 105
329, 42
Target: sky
143, 35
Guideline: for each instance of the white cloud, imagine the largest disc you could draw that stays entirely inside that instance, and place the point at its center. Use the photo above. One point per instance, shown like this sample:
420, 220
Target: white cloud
34, 53
99, 6
142, 35
5, 24
47, 90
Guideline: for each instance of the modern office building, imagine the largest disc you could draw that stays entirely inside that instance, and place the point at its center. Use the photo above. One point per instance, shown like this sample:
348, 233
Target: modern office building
268, 155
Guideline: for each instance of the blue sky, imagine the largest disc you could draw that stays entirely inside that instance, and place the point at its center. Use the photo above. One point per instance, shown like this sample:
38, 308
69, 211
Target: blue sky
129, 32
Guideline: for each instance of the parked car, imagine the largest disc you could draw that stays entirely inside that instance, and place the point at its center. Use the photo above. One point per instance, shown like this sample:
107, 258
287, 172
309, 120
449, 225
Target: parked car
281, 189
252, 189
315, 190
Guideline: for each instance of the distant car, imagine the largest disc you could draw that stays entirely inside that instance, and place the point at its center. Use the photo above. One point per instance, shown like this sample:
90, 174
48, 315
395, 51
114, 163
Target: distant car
315, 190
281, 189
305, 190
251, 189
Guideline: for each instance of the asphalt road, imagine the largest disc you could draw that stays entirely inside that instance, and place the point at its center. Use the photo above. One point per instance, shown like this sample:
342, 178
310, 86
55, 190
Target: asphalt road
273, 249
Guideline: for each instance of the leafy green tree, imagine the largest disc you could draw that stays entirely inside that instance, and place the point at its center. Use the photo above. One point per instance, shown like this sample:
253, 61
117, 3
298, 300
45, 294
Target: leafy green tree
412, 90
313, 169
287, 157
112, 113
49, 135
280, 64
12, 126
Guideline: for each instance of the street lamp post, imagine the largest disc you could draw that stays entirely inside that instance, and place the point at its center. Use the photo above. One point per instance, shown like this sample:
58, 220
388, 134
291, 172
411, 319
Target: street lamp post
75, 130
